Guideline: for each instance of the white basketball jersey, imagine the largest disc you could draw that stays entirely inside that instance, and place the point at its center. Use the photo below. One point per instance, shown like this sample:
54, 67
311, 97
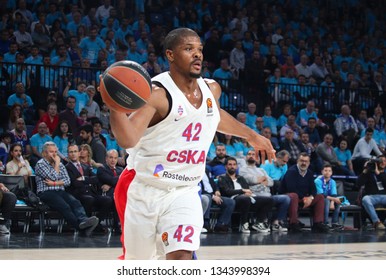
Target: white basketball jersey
173, 152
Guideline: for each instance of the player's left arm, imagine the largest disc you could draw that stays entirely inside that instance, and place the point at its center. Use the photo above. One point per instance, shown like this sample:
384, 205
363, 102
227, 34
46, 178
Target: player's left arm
229, 125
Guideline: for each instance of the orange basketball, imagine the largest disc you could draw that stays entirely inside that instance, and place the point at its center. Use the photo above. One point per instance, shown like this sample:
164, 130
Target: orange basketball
125, 86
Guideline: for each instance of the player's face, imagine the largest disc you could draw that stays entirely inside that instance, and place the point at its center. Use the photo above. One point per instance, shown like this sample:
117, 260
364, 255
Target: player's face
188, 57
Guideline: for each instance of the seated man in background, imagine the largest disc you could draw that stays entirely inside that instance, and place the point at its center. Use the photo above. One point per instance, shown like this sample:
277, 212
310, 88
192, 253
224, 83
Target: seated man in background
52, 179
374, 192
210, 190
108, 176
7, 205
236, 187
216, 166
84, 186
260, 183
298, 184
277, 169
363, 150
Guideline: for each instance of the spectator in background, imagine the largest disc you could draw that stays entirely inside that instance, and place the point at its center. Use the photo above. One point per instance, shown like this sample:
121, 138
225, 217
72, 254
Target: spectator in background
266, 132
318, 69
290, 125
10, 55
345, 126
260, 183
374, 182
103, 11
91, 45
15, 112
282, 120
23, 38
63, 138
85, 156
223, 74
50, 118
298, 184
93, 110
5, 141
344, 156
80, 95
211, 194
376, 132
316, 162
270, 121
306, 113
41, 39
237, 60
302, 67
70, 115
251, 116
52, 179
326, 186
293, 146
85, 74
97, 147
108, 175
105, 116
7, 205
20, 97
19, 135
17, 165
151, 65
363, 150
361, 121
313, 133
277, 168
236, 187
37, 143
216, 166
379, 118
84, 186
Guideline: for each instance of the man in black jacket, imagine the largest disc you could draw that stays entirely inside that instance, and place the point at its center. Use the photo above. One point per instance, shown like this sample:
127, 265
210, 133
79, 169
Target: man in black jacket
84, 185
374, 193
210, 189
108, 174
236, 187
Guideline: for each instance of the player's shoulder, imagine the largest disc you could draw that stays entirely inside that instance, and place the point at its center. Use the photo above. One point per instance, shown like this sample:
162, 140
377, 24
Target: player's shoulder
214, 87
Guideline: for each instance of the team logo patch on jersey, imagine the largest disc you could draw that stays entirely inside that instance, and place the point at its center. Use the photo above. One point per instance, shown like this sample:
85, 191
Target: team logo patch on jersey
165, 237
158, 169
209, 105
180, 110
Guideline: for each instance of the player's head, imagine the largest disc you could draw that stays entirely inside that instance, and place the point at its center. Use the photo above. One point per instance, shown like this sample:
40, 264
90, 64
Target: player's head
183, 49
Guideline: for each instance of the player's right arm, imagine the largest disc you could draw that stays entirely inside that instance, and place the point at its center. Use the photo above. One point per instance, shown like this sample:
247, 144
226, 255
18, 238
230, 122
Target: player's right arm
129, 129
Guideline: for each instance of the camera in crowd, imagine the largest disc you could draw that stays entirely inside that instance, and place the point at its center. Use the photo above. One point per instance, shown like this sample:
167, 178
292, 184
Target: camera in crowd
371, 164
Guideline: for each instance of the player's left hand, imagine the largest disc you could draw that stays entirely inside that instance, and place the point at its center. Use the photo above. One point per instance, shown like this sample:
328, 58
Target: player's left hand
263, 146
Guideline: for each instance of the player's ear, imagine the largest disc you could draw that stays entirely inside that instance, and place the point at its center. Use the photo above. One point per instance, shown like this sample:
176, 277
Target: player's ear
169, 55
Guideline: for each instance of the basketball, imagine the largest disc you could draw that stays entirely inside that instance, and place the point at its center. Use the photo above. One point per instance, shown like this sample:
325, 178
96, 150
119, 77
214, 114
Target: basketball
125, 86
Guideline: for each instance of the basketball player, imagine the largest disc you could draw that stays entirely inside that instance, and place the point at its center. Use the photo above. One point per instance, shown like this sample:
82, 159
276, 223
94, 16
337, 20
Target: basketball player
169, 139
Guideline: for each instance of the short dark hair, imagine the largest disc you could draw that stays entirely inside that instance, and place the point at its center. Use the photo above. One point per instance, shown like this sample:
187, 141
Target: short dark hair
87, 128
228, 159
174, 37
327, 165
369, 129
